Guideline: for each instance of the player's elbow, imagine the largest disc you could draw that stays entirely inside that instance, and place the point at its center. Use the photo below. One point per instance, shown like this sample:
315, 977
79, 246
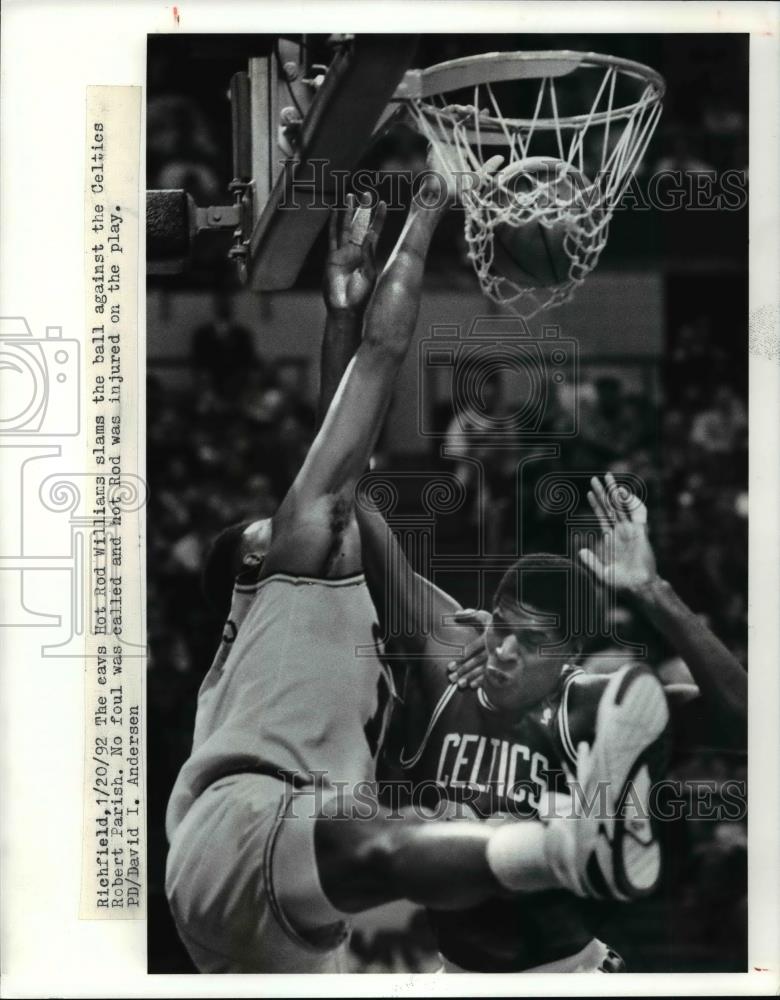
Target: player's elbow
383, 341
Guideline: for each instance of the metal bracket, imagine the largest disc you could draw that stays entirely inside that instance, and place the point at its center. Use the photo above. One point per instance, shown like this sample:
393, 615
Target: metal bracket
218, 217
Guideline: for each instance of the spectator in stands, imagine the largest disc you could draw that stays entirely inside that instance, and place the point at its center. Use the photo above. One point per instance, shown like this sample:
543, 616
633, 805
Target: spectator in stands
472, 422
681, 154
181, 149
602, 424
721, 428
222, 349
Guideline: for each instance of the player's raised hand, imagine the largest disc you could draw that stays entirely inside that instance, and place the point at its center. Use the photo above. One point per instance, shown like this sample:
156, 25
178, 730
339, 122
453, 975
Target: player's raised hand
625, 558
469, 670
350, 269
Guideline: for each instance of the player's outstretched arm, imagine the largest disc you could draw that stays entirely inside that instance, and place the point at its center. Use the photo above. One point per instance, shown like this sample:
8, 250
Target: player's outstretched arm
322, 491
627, 562
412, 611
350, 429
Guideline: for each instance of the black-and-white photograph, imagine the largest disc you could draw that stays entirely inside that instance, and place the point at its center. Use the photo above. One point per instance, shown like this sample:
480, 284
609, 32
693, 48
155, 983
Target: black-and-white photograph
447, 530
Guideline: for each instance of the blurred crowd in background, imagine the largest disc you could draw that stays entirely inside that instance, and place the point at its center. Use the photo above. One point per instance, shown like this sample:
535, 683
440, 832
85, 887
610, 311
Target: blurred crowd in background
226, 447
225, 441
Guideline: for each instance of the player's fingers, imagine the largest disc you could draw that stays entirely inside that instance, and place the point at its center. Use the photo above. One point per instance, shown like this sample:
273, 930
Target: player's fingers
378, 221
466, 667
333, 230
603, 500
618, 497
471, 658
476, 647
593, 563
359, 228
470, 661
372, 237
604, 522
346, 220
467, 677
634, 509
474, 617
638, 512
601, 506
475, 677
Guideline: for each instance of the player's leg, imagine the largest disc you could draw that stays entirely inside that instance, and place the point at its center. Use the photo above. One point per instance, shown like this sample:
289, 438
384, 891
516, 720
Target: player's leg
337, 863
263, 878
600, 845
223, 888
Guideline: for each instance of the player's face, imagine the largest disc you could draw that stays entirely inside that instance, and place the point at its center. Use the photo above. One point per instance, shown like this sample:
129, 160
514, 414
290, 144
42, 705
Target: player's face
518, 673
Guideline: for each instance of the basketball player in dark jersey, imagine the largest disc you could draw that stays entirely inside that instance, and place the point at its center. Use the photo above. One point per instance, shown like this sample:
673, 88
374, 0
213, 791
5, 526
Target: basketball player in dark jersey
274, 838
499, 750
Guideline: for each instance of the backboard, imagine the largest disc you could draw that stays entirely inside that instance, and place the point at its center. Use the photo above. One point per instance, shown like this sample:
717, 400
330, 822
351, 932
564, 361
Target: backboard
351, 98
303, 114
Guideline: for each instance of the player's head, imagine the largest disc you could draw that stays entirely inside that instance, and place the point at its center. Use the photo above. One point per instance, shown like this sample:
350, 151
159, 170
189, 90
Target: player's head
536, 628
238, 546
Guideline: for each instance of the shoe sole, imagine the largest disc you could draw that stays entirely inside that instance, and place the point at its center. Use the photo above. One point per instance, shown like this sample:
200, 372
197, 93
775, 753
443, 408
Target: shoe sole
630, 753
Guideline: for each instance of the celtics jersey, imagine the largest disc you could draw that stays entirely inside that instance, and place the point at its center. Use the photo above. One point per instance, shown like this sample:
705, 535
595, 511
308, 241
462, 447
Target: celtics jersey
463, 749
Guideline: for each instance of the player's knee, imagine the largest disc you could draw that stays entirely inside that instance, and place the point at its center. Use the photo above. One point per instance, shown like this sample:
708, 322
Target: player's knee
375, 854
380, 857
362, 853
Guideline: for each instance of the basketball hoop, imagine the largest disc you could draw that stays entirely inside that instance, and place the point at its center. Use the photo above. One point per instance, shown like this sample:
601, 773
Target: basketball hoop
475, 107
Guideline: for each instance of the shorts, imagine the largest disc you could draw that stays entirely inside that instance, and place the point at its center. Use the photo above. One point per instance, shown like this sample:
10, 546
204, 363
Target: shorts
227, 888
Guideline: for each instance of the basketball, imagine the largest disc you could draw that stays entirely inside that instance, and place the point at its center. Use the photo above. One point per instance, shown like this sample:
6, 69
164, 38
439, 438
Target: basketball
533, 254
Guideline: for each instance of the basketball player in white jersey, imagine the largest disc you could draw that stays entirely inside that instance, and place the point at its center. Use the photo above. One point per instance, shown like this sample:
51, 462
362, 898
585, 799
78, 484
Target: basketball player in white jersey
275, 838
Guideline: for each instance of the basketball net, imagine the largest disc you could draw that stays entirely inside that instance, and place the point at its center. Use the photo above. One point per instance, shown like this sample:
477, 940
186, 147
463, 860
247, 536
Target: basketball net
609, 137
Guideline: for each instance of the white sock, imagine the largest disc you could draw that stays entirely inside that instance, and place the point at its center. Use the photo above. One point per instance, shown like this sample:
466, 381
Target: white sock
517, 857
531, 856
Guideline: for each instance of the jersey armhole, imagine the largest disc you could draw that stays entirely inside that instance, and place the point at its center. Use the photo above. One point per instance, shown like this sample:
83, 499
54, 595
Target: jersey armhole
564, 730
407, 762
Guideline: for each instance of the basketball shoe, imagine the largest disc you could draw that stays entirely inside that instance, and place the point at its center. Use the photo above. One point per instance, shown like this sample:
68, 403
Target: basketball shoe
601, 841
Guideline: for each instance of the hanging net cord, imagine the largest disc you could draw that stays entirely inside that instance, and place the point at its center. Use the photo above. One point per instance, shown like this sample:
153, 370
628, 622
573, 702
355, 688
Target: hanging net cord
590, 160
